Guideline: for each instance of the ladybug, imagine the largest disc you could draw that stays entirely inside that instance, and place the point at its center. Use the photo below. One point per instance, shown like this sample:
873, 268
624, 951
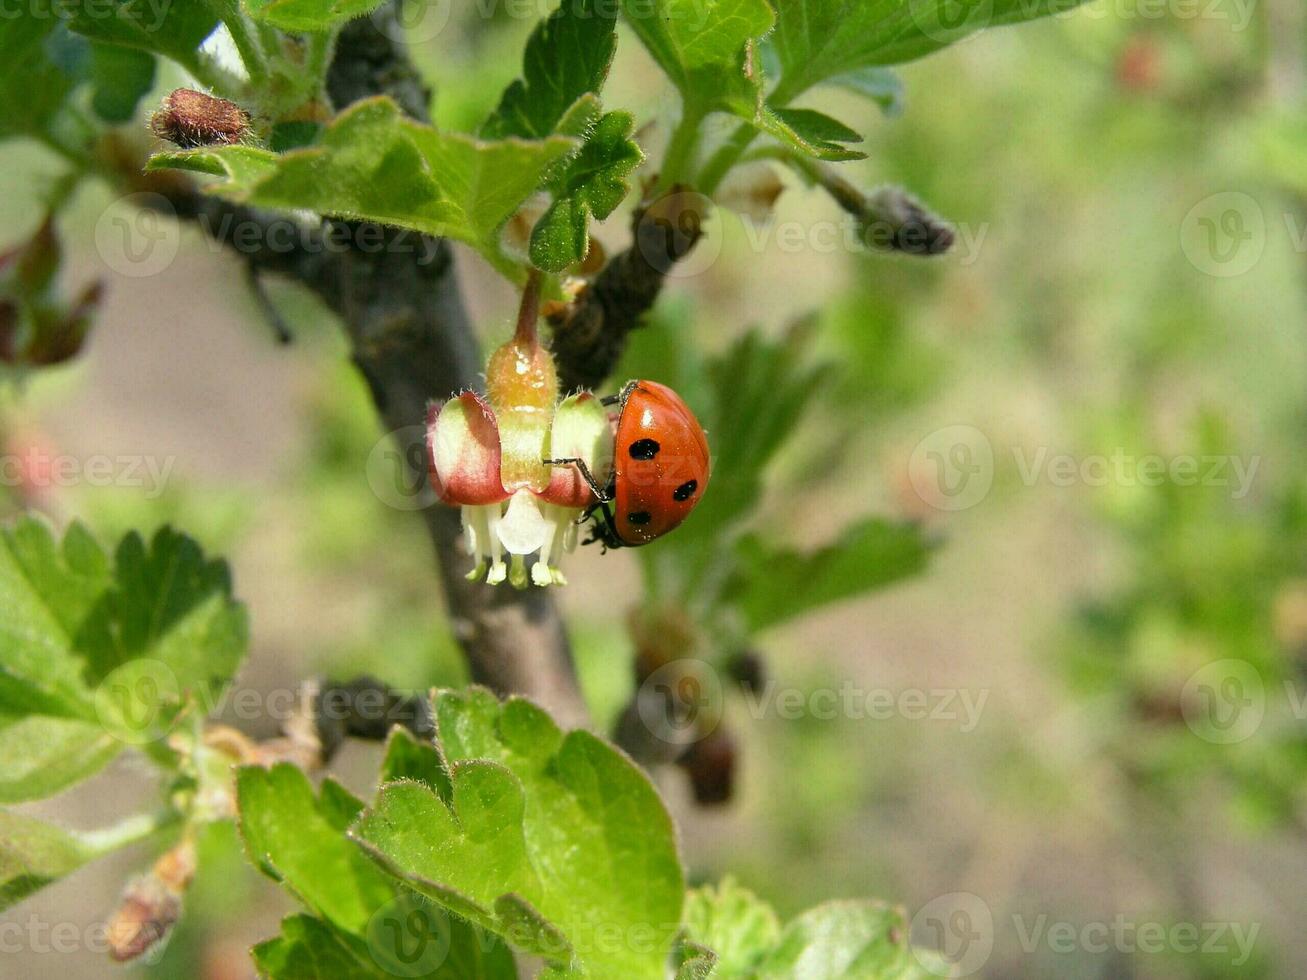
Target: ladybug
660, 467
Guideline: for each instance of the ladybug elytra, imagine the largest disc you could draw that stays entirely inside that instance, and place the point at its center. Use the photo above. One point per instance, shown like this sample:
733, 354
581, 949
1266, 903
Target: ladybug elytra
660, 467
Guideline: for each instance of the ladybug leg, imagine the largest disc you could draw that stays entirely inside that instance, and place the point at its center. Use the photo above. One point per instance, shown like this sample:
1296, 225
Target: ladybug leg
610, 537
600, 493
608, 401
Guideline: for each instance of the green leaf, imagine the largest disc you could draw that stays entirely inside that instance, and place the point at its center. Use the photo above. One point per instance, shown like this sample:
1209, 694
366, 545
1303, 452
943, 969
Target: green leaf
853, 940
34, 854
41, 755
881, 85
710, 52
94, 654
48, 591
170, 604
120, 78
593, 184
372, 164
734, 923
567, 57
820, 40
773, 584
407, 758
811, 132
291, 838
32, 86
835, 941
173, 29
704, 46
558, 842
761, 388
410, 938
694, 962
308, 16
310, 949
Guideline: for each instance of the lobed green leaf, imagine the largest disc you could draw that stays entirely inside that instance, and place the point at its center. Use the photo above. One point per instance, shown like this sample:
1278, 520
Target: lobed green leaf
567, 57
97, 652
372, 164
854, 940
593, 183
557, 842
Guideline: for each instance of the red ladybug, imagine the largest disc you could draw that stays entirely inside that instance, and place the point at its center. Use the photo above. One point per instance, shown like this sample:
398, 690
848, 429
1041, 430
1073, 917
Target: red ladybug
660, 467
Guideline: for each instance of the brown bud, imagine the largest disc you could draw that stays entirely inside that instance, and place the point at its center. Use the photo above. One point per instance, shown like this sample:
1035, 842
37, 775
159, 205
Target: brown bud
748, 670
710, 763
8, 331
190, 118
893, 219
143, 920
151, 905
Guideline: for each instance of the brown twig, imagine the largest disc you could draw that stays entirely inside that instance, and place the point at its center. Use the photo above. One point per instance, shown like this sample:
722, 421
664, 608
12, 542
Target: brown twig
399, 301
591, 334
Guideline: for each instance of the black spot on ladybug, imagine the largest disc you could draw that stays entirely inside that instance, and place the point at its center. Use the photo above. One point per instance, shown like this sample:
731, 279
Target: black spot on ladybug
644, 449
685, 490
640, 517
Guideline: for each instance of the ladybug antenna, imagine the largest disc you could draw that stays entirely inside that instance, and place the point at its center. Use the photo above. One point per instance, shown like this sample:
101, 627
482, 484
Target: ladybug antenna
529, 312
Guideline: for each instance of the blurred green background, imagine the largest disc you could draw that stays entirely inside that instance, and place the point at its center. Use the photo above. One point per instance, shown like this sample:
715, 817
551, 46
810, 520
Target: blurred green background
1129, 184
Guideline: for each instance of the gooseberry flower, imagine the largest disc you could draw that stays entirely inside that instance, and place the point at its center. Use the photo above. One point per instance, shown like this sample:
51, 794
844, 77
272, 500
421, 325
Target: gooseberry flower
487, 455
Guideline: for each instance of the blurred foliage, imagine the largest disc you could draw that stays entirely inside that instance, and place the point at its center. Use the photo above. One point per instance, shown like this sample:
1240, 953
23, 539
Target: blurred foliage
1070, 316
